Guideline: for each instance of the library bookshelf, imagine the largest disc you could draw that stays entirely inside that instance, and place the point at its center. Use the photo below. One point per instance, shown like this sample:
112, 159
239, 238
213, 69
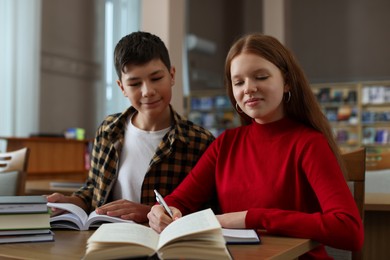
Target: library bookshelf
359, 113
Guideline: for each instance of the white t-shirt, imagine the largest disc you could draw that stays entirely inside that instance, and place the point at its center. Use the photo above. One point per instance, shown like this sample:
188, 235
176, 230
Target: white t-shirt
139, 148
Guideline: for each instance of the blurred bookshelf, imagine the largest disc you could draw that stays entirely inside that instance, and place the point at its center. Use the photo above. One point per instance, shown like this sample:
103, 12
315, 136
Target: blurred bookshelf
212, 110
359, 113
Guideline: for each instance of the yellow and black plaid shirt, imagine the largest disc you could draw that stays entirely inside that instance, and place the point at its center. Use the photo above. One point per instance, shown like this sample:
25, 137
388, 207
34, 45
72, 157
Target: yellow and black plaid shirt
176, 155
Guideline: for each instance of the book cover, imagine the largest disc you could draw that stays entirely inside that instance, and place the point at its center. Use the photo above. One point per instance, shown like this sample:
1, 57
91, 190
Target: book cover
23, 200
22, 204
24, 221
49, 236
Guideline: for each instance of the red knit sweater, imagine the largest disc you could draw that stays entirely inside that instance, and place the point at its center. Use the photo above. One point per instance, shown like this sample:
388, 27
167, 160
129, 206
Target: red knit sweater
285, 175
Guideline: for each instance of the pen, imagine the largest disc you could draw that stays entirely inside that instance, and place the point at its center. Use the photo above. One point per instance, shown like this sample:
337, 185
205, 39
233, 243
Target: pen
162, 202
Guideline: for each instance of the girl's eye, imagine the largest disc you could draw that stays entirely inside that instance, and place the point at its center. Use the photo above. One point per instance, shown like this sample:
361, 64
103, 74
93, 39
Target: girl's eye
238, 83
262, 77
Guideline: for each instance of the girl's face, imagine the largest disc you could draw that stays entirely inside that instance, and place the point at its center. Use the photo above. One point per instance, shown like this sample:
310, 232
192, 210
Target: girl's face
258, 87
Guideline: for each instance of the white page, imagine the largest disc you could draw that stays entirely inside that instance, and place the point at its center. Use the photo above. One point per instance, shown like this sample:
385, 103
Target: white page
71, 208
125, 233
193, 223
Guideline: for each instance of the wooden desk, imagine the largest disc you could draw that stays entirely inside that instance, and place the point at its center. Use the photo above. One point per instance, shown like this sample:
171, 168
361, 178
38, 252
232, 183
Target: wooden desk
53, 157
71, 245
377, 226
377, 201
44, 187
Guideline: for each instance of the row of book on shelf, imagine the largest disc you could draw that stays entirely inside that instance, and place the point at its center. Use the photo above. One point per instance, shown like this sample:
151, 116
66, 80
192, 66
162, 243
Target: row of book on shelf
28, 219
371, 136
376, 94
370, 95
350, 115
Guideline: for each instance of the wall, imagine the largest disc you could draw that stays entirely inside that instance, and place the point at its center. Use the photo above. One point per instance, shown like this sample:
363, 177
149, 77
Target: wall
340, 40
333, 40
221, 22
71, 64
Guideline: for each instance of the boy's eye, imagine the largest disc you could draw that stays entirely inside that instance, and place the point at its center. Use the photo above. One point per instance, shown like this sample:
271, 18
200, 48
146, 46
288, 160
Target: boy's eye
157, 78
135, 84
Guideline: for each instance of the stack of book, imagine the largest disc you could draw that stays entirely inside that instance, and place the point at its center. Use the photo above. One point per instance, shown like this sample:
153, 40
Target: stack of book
24, 219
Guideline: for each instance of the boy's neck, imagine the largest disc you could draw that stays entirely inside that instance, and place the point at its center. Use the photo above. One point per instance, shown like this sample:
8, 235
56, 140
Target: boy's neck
152, 124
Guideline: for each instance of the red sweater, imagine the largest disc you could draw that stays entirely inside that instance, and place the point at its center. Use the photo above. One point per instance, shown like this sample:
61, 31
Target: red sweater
285, 175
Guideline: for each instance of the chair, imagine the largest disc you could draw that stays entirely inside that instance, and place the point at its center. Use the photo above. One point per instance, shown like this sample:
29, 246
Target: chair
13, 168
355, 164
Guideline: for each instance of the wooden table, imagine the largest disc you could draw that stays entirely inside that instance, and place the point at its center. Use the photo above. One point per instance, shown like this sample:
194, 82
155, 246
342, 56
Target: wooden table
71, 245
377, 201
45, 187
377, 226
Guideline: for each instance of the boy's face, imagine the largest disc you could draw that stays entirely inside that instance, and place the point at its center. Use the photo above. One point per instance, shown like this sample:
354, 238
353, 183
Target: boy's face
148, 87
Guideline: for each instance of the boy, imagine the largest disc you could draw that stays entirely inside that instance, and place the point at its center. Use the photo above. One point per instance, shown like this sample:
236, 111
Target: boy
148, 146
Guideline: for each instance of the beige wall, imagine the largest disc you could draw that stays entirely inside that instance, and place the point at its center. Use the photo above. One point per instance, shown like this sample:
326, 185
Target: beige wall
168, 23
71, 64
333, 40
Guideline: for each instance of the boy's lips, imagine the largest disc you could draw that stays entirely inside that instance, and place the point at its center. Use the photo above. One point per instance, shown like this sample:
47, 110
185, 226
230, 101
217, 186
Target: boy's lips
151, 102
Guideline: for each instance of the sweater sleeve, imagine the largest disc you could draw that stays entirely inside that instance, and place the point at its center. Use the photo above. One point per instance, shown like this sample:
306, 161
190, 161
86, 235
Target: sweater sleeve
337, 224
199, 185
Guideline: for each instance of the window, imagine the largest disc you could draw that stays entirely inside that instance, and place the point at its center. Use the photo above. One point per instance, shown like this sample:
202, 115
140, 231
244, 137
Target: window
121, 18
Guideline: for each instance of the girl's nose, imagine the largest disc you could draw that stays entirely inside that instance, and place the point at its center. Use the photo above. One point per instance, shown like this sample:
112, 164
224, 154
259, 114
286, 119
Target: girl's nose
250, 88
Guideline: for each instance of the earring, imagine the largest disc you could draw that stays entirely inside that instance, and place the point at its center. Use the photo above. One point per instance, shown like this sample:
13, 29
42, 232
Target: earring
239, 110
287, 100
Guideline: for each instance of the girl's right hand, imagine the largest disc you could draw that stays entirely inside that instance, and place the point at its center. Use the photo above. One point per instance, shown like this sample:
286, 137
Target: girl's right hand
159, 219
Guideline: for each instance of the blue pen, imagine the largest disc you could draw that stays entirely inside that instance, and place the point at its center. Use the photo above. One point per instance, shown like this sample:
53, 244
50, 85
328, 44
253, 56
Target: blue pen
162, 202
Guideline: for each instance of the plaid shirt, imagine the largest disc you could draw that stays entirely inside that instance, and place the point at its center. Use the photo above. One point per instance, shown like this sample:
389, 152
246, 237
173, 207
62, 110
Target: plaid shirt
177, 153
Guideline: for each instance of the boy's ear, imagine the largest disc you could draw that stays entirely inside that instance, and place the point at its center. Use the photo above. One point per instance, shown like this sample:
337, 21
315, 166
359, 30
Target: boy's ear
119, 83
172, 73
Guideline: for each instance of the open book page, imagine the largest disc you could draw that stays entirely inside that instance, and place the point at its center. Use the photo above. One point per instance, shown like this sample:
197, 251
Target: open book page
125, 233
200, 221
78, 218
95, 220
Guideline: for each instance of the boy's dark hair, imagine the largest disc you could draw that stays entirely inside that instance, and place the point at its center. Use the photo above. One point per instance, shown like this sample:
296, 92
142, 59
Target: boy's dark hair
139, 48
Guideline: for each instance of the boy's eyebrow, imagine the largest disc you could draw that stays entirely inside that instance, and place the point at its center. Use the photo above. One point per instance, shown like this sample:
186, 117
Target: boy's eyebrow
151, 74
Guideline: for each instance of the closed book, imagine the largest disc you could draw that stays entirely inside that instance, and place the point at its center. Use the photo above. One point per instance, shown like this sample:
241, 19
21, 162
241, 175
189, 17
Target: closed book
22, 204
24, 221
240, 236
27, 238
15, 232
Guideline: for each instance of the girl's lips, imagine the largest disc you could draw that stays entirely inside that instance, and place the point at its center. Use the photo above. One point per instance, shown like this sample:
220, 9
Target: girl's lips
252, 100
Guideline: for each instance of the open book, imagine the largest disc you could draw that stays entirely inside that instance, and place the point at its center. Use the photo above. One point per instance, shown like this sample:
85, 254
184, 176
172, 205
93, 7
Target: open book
194, 236
77, 218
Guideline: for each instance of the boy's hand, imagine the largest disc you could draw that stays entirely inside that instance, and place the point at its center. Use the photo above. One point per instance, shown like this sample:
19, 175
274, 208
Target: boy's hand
126, 210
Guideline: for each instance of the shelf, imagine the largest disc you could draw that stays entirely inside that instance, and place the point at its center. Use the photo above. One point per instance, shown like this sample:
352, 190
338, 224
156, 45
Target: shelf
212, 110
358, 112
